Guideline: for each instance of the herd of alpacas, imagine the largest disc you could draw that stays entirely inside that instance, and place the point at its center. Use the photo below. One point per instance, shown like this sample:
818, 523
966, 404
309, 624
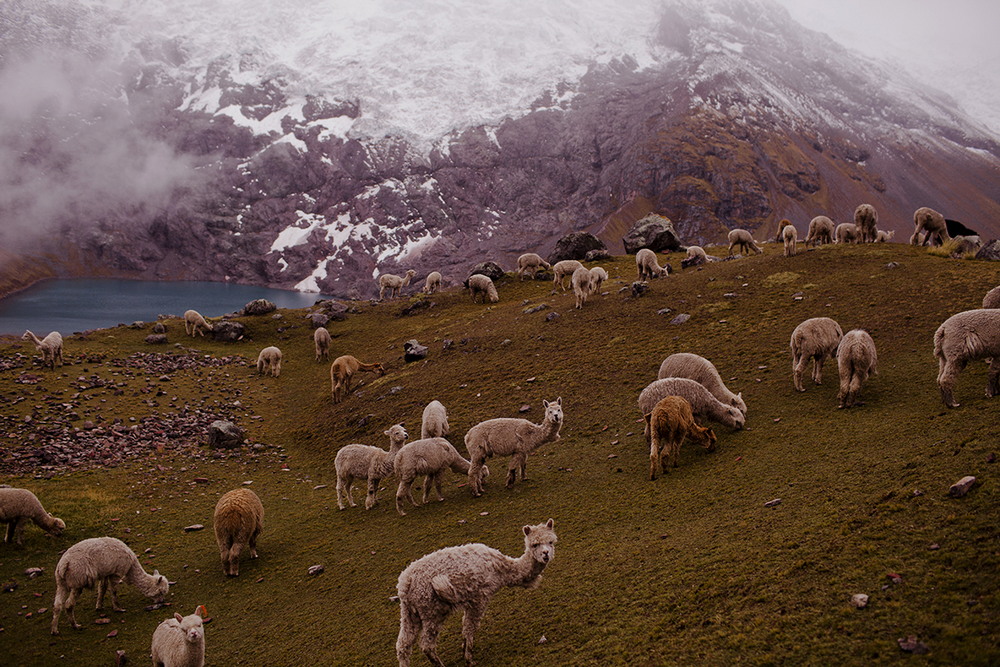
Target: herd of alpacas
688, 390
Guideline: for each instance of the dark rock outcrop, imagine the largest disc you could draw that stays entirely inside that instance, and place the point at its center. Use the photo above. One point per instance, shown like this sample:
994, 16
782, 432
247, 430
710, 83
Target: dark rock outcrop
414, 351
990, 251
259, 307
225, 435
575, 245
228, 331
491, 269
654, 232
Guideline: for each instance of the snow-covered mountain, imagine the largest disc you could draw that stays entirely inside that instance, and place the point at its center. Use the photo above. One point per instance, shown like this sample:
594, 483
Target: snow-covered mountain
315, 144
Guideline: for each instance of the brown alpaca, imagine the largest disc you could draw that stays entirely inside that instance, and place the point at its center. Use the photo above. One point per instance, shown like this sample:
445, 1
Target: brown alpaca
343, 369
669, 423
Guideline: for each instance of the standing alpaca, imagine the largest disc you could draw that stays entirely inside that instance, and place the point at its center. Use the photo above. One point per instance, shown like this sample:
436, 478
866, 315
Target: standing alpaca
433, 282
394, 284
965, 337
581, 285
702, 371
789, 236
784, 222
180, 641
430, 457
509, 435
103, 562
856, 360
865, 219
742, 239
669, 423
195, 323
368, 463
342, 371
269, 361
531, 263
562, 269
847, 232
816, 338
480, 284
820, 231
647, 267
18, 507
597, 277
465, 578
51, 347
933, 226
434, 421
238, 522
883, 236
322, 341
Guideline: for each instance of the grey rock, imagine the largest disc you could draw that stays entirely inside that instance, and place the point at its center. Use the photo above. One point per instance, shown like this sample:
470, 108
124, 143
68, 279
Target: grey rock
491, 269
447, 344
225, 435
156, 339
228, 331
654, 232
962, 486
159, 328
316, 569
575, 245
259, 307
664, 311
773, 503
990, 251
552, 316
639, 288
317, 320
597, 255
681, 319
414, 351
535, 309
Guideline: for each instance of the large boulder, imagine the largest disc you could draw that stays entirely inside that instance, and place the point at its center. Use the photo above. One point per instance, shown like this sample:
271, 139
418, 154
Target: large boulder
228, 331
335, 310
654, 232
225, 435
990, 251
491, 269
575, 245
259, 307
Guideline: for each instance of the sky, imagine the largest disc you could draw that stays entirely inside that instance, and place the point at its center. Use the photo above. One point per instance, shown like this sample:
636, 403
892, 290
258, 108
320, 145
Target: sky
951, 45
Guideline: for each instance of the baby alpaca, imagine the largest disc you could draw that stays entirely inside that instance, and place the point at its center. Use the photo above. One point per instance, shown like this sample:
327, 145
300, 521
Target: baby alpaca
195, 323
743, 240
18, 507
269, 361
508, 435
703, 404
530, 264
430, 457
479, 284
369, 463
322, 341
647, 266
816, 338
964, 337
465, 578
789, 236
856, 360
883, 236
180, 641
394, 284
103, 562
820, 231
51, 347
433, 282
434, 421
562, 269
865, 220
342, 371
238, 520
670, 422
933, 226
581, 285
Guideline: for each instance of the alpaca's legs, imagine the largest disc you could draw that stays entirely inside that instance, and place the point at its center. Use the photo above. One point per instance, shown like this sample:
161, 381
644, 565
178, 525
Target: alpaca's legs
409, 629
946, 382
429, 638
9, 533
57, 607
234, 559
512, 468
818, 369
253, 543
656, 455
401, 492
370, 498
438, 479
470, 623
344, 491
993, 383
112, 585
70, 606
475, 472
798, 368
102, 588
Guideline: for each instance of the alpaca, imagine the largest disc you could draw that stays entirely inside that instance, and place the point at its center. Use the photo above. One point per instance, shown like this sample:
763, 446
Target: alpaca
393, 283
647, 266
562, 269
696, 256
581, 285
531, 263
430, 457
194, 323
322, 341
856, 360
744, 240
780, 236
883, 236
103, 562
18, 507
180, 641
703, 404
51, 347
434, 421
269, 361
372, 464
669, 423
965, 337
509, 435
702, 371
821, 230
992, 298
865, 220
466, 578
816, 338
597, 277
846, 232
479, 284
238, 521
789, 236
342, 371
433, 282
933, 226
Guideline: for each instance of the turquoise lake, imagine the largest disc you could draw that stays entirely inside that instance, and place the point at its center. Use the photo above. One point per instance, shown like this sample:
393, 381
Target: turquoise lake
68, 306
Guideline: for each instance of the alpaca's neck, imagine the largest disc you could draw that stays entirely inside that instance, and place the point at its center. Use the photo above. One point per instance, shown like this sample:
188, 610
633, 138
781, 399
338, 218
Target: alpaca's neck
520, 571
35, 339
406, 281
549, 429
140, 579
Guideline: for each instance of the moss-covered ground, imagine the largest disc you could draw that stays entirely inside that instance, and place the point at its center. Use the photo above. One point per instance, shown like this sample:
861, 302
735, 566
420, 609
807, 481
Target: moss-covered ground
689, 569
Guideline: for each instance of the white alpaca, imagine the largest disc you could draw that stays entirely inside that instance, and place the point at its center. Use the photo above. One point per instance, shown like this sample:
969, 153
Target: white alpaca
510, 436
18, 507
530, 264
702, 371
433, 282
342, 372
931, 224
430, 457
269, 361
597, 277
103, 562
479, 284
581, 285
866, 219
846, 232
194, 323
562, 269
322, 342
238, 522
992, 298
856, 360
51, 347
647, 266
883, 236
393, 283
465, 578
180, 641
816, 338
821, 230
965, 337
372, 464
743, 240
789, 236
434, 421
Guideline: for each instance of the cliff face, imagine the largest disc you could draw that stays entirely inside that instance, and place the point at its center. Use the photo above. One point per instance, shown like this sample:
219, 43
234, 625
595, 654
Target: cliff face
744, 118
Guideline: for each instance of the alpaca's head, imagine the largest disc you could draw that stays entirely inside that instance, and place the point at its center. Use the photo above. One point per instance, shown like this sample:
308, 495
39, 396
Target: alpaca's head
736, 417
553, 411
27, 335
397, 434
160, 585
192, 626
56, 525
540, 541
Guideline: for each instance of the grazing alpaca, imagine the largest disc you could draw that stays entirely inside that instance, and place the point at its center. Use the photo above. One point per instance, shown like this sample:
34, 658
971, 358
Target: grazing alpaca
669, 423
965, 337
18, 507
194, 323
465, 578
743, 240
933, 226
789, 236
865, 220
51, 347
821, 230
238, 522
342, 371
322, 341
269, 361
856, 360
816, 338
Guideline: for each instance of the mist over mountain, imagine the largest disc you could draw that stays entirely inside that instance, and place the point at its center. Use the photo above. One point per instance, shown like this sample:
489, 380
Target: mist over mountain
314, 144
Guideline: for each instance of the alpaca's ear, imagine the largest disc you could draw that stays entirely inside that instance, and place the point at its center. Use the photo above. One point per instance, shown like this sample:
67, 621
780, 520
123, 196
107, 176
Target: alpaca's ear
550, 523
545, 403
559, 401
740, 395
527, 530
156, 573
178, 616
385, 433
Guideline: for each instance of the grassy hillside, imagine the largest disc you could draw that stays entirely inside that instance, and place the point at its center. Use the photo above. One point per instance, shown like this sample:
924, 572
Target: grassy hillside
689, 569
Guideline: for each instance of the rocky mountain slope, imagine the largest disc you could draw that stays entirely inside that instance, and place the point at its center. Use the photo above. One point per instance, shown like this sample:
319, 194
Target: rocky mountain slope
250, 165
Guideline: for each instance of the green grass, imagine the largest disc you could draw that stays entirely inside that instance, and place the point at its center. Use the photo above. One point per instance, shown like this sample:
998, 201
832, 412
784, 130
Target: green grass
689, 569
